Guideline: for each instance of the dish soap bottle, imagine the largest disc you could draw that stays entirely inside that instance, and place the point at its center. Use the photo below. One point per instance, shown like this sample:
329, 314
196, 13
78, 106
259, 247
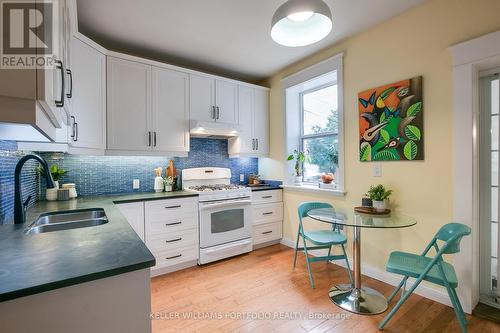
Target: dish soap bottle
159, 187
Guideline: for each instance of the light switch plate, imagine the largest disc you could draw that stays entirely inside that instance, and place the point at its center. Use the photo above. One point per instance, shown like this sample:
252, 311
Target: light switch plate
136, 184
242, 177
377, 170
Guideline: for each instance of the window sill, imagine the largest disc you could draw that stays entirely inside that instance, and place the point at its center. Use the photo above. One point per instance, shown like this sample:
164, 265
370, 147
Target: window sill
314, 189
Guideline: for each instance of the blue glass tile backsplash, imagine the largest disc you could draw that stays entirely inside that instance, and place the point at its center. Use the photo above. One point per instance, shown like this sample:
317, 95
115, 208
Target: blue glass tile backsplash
9, 155
96, 175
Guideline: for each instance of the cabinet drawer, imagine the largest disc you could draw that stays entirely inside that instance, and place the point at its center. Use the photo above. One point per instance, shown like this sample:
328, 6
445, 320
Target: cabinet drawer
265, 213
175, 256
270, 196
266, 232
170, 224
172, 240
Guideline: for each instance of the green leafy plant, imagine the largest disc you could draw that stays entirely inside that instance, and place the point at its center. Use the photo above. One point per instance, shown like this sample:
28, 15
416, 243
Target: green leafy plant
378, 193
299, 158
55, 171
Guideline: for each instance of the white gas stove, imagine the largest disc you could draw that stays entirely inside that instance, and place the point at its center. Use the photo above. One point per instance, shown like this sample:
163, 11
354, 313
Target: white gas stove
225, 215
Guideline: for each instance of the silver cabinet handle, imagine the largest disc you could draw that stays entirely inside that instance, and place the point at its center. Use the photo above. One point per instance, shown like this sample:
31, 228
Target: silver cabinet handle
73, 131
256, 144
173, 257
154, 139
267, 232
76, 131
267, 213
171, 224
70, 74
173, 207
213, 112
59, 65
253, 144
173, 240
267, 197
149, 139
218, 113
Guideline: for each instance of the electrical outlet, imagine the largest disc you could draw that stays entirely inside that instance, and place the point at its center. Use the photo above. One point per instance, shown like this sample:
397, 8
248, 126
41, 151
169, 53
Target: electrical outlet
377, 170
136, 184
242, 177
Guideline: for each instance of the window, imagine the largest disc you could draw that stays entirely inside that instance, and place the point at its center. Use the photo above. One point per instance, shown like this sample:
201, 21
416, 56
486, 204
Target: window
319, 132
313, 124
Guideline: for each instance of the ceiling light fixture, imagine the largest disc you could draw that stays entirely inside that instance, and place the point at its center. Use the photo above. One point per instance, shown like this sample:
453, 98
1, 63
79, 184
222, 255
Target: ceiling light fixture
301, 22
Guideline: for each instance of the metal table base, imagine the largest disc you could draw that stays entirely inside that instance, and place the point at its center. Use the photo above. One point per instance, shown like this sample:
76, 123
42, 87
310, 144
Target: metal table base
358, 299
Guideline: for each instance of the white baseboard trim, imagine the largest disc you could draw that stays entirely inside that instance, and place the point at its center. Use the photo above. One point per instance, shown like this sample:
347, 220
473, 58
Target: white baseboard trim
439, 296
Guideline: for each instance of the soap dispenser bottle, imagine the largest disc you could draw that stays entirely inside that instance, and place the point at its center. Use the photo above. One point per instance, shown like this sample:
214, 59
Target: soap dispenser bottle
159, 187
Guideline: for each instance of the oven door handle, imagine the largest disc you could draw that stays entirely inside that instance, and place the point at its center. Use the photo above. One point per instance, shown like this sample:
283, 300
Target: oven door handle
207, 206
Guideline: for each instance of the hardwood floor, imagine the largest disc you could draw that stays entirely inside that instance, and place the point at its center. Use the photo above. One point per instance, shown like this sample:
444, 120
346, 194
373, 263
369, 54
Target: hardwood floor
260, 292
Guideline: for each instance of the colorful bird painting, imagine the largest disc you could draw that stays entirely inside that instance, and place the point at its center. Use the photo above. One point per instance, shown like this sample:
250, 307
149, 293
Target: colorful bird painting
391, 122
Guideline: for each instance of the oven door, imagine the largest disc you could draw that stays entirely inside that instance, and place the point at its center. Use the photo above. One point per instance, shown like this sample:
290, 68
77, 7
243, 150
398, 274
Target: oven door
224, 221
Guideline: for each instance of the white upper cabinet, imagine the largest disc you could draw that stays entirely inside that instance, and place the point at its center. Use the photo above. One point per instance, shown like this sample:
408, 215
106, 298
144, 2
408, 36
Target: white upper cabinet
202, 98
88, 97
253, 109
128, 105
226, 102
213, 99
170, 112
261, 121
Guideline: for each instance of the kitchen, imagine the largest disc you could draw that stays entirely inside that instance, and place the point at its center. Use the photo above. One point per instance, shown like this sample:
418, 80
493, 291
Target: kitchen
155, 178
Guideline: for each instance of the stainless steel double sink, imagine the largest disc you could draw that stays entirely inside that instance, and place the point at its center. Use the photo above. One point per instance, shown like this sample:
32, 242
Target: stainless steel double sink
74, 219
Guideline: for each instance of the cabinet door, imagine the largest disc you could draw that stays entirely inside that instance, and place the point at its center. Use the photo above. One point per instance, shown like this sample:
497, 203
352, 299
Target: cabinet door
134, 213
245, 116
170, 112
128, 105
88, 103
227, 102
202, 98
261, 121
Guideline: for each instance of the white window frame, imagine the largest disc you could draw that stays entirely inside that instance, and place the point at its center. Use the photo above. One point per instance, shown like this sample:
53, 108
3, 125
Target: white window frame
326, 73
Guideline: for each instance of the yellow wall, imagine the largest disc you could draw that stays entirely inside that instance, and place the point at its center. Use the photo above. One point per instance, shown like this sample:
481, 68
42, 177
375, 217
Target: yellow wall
414, 43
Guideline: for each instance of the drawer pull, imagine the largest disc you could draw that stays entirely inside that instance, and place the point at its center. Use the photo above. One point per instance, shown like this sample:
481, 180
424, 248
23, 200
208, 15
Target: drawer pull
171, 224
173, 240
267, 213
173, 257
267, 232
267, 197
173, 207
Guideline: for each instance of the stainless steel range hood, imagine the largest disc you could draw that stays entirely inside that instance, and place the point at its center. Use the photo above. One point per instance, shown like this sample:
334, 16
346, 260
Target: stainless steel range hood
205, 129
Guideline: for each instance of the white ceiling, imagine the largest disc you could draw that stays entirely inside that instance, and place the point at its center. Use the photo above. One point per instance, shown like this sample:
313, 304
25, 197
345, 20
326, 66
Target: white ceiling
226, 37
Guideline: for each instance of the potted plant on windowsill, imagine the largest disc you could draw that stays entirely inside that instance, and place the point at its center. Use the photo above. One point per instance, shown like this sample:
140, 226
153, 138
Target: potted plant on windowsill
299, 158
379, 195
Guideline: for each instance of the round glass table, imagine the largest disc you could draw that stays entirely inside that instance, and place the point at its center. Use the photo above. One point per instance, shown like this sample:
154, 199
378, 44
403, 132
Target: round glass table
357, 298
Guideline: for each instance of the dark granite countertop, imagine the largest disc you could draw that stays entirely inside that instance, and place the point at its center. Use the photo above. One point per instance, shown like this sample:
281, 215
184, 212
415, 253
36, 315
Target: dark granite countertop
31, 264
265, 188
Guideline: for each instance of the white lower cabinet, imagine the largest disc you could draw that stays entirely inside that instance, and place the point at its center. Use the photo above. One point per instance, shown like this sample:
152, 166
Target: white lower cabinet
134, 213
171, 232
267, 216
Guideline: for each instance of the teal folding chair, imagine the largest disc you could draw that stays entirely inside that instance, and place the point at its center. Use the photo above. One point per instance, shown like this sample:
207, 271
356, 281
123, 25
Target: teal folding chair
321, 239
434, 270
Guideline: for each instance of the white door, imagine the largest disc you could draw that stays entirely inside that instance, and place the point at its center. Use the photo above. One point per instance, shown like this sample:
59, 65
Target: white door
134, 213
170, 113
128, 101
202, 98
245, 116
88, 103
226, 102
261, 121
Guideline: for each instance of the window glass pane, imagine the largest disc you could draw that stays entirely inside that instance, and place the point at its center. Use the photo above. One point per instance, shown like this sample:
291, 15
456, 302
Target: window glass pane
494, 133
494, 97
322, 157
494, 204
320, 111
494, 168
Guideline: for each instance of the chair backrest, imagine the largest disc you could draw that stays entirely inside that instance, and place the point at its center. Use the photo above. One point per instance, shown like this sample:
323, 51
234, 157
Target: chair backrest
452, 234
307, 206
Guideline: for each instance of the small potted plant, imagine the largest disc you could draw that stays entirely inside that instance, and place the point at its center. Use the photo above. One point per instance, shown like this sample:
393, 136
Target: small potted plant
56, 173
299, 158
169, 183
379, 195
